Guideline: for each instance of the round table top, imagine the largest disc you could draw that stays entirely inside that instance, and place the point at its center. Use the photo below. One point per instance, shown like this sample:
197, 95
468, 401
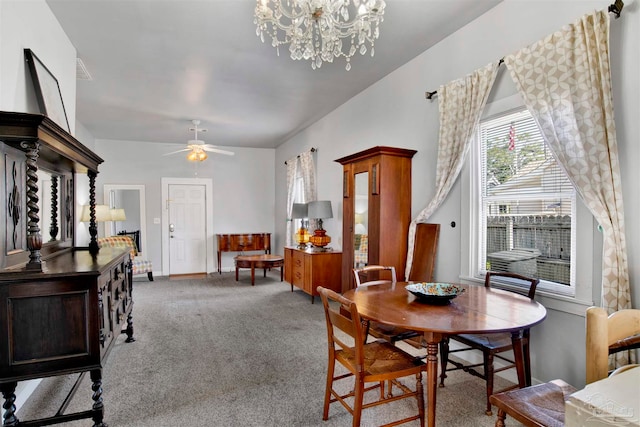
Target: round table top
259, 257
477, 310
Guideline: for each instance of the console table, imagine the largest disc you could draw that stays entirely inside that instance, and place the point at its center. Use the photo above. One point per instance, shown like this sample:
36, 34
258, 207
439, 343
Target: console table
242, 242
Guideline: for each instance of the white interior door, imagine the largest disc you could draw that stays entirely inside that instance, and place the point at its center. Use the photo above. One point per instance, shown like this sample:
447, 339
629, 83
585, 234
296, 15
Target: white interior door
187, 229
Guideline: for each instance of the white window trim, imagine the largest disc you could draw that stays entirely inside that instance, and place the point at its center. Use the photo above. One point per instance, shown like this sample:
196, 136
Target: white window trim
585, 252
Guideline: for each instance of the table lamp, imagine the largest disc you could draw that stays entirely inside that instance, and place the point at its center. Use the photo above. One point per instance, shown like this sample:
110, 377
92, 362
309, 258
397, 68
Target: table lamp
299, 211
320, 209
117, 214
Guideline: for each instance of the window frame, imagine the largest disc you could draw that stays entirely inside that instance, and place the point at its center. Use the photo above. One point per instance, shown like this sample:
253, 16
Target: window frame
587, 245
481, 198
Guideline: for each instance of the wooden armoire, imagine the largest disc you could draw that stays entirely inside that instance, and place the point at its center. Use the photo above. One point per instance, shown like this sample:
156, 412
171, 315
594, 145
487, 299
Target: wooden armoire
376, 209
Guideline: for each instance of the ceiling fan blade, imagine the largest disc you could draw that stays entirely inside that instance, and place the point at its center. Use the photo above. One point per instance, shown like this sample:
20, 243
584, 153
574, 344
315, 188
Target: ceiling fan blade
217, 150
176, 152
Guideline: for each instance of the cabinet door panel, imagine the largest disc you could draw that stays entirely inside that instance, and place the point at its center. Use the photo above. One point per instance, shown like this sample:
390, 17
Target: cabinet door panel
66, 334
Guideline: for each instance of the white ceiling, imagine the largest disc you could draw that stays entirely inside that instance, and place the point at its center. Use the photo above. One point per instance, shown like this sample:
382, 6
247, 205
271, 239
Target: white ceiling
158, 64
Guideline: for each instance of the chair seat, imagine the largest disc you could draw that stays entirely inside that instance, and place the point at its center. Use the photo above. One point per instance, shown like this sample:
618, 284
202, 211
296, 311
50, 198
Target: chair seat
494, 342
390, 333
141, 266
380, 360
539, 405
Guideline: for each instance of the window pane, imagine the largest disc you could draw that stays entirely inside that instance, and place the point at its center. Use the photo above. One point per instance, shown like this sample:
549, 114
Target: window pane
527, 202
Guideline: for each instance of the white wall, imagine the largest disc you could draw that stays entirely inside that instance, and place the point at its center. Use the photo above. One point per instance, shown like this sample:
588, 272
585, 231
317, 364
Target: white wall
32, 25
243, 186
394, 112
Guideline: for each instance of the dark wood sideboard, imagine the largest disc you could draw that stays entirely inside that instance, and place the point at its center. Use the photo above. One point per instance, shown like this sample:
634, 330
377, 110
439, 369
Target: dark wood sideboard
63, 321
242, 242
61, 306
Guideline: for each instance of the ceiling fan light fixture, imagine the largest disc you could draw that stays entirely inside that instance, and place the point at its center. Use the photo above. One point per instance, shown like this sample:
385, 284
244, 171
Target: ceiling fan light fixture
196, 148
196, 155
315, 29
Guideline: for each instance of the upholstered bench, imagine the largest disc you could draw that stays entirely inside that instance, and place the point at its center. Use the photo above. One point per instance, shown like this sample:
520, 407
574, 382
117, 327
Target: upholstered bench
140, 265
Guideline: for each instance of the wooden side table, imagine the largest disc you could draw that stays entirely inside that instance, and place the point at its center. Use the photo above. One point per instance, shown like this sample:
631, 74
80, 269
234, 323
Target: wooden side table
263, 261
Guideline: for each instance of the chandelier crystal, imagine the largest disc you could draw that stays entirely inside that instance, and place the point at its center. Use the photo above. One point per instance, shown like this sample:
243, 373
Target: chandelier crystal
320, 30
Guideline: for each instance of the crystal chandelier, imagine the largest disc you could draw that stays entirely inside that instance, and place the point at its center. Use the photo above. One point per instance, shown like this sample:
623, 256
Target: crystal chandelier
315, 29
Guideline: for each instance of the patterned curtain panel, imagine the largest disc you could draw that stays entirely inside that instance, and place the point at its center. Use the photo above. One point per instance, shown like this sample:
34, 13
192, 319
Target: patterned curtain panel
461, 103
292, 169
566, 84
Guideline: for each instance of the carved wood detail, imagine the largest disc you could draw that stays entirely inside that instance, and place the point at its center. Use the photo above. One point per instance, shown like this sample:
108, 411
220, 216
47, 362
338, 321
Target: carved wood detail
68, 202
34, 238
15, 205
53, 230
93, 227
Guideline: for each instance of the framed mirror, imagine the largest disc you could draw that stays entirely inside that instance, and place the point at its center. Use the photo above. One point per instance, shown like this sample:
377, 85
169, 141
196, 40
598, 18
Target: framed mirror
361, 220
130, 219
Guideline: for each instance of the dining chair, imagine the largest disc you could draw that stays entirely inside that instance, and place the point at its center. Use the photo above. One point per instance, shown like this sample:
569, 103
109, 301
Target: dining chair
491, 345
378, 274
424, 252
377, 362
544, 404
605, 333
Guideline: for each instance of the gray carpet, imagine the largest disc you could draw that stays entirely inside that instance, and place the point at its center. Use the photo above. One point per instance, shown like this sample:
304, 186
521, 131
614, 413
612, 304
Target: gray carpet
216, 352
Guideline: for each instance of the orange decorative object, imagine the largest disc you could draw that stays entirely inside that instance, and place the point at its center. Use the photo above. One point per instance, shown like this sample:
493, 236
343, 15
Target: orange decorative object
320, 238
302, 237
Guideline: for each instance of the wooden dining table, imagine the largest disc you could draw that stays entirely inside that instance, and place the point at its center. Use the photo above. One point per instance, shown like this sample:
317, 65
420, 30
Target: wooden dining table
478, 310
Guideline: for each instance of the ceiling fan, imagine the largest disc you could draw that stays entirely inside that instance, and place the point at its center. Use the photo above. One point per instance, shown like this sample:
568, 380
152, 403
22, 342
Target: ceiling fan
197, 148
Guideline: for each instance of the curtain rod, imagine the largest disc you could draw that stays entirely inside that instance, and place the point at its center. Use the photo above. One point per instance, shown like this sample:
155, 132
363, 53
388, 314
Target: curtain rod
615, 8
430, 95
312, 149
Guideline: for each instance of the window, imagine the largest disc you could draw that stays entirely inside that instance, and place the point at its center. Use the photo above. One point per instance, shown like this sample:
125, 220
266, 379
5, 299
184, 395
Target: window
527, 204
298, 188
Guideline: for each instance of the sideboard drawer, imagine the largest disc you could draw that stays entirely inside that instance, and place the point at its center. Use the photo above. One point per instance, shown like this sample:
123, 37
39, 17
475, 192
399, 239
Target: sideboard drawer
298, 269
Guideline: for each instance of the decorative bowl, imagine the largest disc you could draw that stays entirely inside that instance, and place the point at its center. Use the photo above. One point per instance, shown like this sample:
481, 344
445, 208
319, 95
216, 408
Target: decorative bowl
435, 293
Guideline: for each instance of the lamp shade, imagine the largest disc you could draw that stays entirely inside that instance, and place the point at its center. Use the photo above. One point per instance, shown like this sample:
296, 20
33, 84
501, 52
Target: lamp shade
103, 213
320, 209
299, 211
117, 214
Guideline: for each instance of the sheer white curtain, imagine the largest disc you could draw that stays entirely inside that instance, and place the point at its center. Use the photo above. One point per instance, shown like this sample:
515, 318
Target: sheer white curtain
308, 171
566, 83
292, 169
299, 167
461, 103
